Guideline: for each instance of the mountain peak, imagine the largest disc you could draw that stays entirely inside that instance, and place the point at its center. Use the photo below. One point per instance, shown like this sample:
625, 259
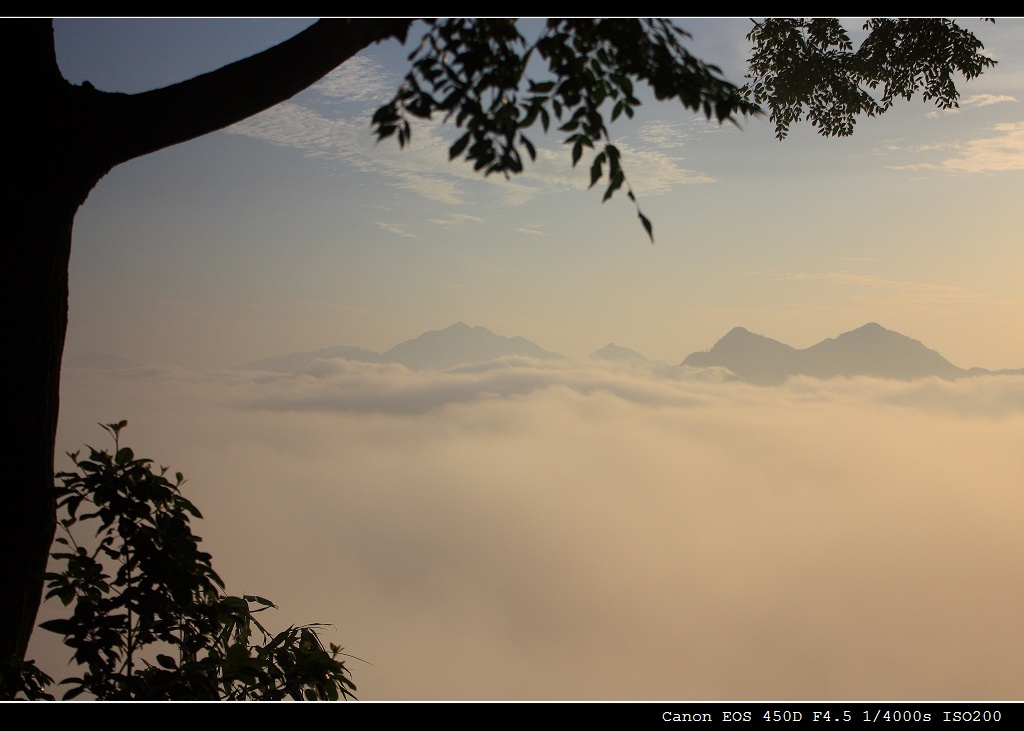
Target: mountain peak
752, 357
459, 344
617, 352
870, 350
871, 328
737, 332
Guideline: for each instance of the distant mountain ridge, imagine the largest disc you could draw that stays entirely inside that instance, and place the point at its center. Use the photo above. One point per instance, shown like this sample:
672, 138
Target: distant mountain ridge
870, 350
459, 344
456, 345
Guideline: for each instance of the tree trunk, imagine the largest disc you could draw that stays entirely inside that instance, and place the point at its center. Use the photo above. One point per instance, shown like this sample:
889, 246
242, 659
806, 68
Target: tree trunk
40, 198
62, 140
34, 297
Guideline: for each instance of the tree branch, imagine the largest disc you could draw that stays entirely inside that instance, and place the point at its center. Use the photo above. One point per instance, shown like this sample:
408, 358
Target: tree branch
125, 126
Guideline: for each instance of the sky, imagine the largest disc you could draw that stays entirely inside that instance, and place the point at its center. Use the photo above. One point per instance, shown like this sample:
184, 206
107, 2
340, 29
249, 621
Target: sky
295, 230
574, 530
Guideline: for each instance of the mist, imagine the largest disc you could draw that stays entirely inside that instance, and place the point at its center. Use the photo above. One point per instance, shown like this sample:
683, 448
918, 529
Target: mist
531, 530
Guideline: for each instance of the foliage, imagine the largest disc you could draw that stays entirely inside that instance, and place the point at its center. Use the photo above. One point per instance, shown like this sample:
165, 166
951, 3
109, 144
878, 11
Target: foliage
809, 67
22, 676
477, 72
480, 73
160, 627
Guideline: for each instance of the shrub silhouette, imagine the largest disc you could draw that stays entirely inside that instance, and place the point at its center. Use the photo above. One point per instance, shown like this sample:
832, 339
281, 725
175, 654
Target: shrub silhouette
150, 618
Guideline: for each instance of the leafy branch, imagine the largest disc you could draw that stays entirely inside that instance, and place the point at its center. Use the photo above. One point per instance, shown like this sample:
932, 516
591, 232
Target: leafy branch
487, 78
150, 619
809, 67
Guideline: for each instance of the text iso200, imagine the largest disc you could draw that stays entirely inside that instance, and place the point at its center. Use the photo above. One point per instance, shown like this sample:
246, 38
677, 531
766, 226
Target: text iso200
972, 716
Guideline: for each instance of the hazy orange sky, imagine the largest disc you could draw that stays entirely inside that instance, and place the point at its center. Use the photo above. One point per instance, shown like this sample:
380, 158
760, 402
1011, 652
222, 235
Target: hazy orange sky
573, 530
295, 231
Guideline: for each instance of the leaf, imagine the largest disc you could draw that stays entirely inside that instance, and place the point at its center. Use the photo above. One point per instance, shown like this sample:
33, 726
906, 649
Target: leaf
73, 693
647, 225
595, 168
617, 178
115, 428
60, 626
577, 151
529, 146
458, 146
259, 600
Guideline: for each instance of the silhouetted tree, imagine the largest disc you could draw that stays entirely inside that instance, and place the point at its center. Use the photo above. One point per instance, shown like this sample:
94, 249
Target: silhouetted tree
149, 616
62, 138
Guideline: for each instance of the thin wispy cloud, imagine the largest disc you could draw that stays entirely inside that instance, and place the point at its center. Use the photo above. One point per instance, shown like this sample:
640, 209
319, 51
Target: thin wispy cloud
423, 166
663, 135
414, 169
294, 126
359, 79
397, 229
977, 100
985, 100
455, 219
999, 152
654, 173
649, 171
434, 187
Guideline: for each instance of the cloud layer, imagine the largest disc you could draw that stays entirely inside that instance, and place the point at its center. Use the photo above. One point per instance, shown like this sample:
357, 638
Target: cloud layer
581, 531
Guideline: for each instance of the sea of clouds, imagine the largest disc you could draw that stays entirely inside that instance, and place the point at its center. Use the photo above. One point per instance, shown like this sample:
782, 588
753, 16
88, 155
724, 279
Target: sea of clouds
585, 530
